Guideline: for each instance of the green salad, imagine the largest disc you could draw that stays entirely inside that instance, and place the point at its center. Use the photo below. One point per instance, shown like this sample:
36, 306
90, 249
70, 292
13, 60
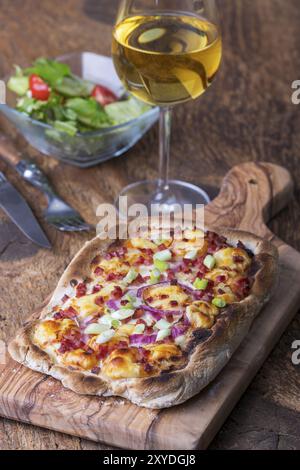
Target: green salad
49, 92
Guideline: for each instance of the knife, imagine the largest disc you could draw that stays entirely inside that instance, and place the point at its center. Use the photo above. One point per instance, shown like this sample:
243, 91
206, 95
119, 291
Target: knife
15, 206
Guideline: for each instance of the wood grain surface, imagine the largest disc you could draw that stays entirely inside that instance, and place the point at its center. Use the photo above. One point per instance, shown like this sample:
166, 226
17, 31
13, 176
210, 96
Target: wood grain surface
251, 194
246, 115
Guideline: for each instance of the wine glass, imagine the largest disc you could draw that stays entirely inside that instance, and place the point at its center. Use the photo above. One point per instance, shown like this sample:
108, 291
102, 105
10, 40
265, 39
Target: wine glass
166, 52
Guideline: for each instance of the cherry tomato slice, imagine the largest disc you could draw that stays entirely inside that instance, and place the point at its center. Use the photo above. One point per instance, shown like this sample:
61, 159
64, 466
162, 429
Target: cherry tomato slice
103, 95
39, 89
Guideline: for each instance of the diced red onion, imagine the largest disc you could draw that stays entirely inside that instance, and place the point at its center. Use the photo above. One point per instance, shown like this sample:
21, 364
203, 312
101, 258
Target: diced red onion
159, 313
112, 304
178, 330
139, 340
141, 289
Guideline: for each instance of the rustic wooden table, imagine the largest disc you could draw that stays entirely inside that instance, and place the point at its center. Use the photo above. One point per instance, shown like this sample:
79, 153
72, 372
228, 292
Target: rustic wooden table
246, 115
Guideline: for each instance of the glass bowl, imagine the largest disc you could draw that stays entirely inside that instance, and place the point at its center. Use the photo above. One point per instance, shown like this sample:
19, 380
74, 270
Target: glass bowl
86, 149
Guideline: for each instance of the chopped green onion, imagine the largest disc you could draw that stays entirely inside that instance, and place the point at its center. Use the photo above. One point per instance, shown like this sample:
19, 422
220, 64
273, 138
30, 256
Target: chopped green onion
220, 303
159, 241
162, 324
191, 255
139, 329
200, 284
164, 255
155, 276
161, 265
162, 334
122, 314
209, 261
105, 336
96, 329
106, 320
130, 276
115, 324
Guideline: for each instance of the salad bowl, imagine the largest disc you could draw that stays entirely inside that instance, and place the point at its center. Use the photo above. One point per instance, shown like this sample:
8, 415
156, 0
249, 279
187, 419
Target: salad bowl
88, 148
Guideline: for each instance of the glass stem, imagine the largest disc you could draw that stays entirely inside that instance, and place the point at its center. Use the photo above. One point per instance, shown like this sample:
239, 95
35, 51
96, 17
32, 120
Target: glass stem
165, 123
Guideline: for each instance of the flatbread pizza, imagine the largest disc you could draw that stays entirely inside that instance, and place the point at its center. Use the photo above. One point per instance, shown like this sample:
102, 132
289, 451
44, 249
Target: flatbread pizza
151, 320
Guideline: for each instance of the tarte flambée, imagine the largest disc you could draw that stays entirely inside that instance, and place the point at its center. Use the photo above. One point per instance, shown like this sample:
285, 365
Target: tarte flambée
150, 320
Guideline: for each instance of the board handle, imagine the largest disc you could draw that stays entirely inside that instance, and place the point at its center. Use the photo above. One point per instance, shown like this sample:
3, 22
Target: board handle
251, 194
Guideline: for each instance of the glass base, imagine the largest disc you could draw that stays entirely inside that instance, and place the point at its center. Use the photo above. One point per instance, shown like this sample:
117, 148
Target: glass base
150, 193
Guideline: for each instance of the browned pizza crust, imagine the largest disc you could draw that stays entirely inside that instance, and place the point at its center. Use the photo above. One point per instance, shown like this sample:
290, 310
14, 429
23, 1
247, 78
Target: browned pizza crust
208, 353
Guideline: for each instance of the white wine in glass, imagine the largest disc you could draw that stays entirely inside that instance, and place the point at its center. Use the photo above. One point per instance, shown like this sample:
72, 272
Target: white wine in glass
165, 56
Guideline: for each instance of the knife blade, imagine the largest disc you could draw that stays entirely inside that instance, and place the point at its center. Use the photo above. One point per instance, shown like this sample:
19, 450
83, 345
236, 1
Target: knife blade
15, 206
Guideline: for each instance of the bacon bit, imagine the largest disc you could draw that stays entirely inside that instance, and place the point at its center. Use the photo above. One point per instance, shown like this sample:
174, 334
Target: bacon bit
140, 260
70, 312
150, 299
170, 318
95, 260
221, 291
220, 279
148, 367
58, 315
70, 341
73, 282
148, 330
139, 279
96, 289
141, 321
80, 289
170, 275
117, 292
111, 277
119, 253
174, 282
102, 351
174, 303
124, 302
65, 298
99, 301
162, 297
162, 247
98, 271
147, 251
238, 259
138, 313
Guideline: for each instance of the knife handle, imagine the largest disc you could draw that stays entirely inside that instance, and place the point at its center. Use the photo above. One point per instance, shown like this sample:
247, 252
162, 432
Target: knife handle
8, 152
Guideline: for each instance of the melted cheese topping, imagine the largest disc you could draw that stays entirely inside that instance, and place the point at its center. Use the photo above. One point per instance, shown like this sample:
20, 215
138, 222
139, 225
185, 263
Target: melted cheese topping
201, 314
138, 305
51, 331
86, 305
122, 364
164, 352
192, 240
226, 258
79, 358
165, 297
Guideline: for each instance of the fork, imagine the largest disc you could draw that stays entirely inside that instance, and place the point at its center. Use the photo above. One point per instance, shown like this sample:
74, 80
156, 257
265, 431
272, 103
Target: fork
58, 214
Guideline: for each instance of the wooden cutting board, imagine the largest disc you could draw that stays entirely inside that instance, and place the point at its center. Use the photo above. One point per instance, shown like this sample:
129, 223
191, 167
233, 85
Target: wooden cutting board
251, 195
